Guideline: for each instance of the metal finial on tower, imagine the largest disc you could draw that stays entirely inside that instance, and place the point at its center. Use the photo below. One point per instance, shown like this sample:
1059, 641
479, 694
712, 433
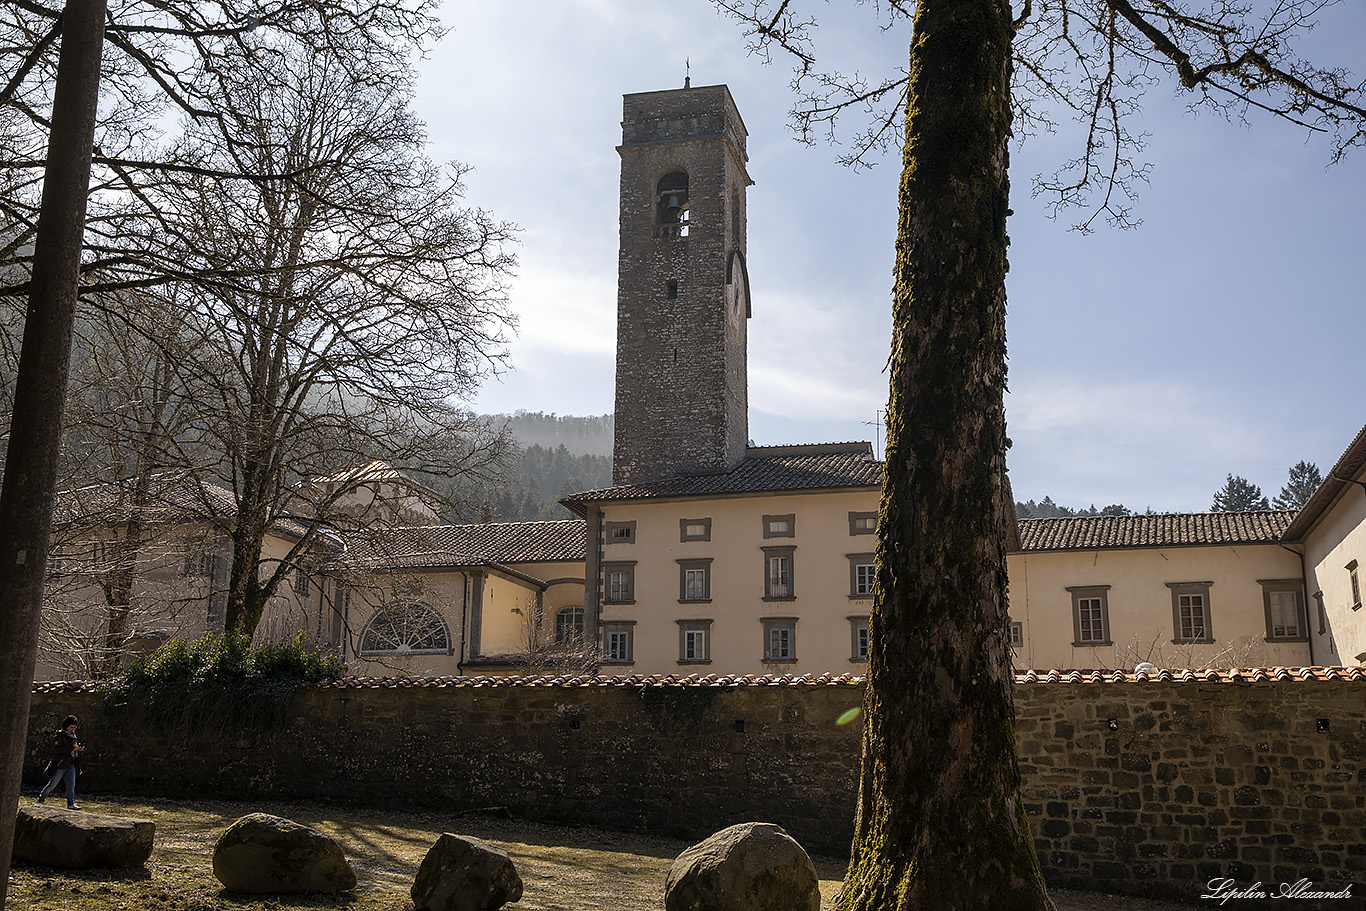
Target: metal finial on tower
687, 78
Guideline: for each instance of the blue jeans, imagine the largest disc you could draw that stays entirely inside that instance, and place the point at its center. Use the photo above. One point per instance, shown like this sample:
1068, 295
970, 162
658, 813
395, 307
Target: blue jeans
69, 773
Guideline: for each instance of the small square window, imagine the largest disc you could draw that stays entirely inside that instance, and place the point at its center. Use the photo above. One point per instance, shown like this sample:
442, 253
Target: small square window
694, 641
780, 526
694, 529
862, 523
860, 638
620, 532
780, 639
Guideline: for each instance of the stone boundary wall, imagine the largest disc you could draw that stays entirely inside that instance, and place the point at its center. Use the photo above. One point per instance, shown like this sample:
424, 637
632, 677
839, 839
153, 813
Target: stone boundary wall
1150, 788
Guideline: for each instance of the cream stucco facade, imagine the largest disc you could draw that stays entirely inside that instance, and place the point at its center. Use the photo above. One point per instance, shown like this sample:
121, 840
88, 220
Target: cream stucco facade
762, 584
1138, 592
1331, 533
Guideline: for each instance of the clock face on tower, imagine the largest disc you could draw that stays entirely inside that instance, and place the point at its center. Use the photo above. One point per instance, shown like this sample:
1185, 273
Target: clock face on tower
737, 286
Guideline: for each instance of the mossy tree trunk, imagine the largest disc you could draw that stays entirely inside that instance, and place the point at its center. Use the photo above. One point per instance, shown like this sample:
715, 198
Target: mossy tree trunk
940, 820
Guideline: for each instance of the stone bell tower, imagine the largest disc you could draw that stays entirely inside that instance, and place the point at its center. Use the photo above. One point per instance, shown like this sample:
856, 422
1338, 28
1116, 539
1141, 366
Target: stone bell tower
682, 287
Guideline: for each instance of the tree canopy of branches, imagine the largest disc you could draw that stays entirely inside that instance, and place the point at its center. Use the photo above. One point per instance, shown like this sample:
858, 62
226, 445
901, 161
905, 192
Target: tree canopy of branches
1304, 480
1238, 495
941, 821
375, 304
88, 213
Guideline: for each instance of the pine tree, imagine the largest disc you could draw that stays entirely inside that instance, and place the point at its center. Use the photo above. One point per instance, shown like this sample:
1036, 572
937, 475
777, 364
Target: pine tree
1238, 495
1304, 480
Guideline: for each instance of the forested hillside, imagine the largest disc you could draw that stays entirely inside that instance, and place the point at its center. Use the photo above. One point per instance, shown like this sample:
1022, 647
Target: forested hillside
589, 435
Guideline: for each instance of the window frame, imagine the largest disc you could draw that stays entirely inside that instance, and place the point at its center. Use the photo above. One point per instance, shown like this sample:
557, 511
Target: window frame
1186, 590
1015, 634
610, 528
1294, 587
628, 567
1355, 581
791, 531
570, 610
1082, 593
858, 650
692, 565
771, 553
433, 613
624, 628
856, 561
683, 535
856, 517
702, 627
775, 625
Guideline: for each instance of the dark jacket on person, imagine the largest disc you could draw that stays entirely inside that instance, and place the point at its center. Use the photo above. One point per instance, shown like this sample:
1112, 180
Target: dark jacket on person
63, 749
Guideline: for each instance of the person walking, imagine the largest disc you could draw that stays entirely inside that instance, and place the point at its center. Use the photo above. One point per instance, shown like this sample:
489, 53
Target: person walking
66, 756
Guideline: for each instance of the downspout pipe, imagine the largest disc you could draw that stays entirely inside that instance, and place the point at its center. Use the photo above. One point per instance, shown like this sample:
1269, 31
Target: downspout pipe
464, 620
1304, 587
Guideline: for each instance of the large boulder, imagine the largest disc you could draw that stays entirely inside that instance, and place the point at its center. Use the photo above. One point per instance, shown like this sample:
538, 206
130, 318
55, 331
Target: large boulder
77, 840
754, 866
465, 874
262, 853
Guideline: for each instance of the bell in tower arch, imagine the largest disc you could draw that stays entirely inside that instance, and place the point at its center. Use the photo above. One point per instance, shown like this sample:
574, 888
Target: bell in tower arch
672, 194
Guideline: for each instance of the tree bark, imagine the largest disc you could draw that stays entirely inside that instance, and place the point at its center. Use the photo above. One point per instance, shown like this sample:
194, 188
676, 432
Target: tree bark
941, 824
40, 388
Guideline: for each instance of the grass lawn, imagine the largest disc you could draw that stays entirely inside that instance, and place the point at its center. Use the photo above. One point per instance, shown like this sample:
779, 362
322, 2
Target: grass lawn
562, 869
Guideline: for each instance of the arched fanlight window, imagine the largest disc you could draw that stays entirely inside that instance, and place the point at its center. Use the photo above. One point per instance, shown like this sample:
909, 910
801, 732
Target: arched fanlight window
406, 628
569, 625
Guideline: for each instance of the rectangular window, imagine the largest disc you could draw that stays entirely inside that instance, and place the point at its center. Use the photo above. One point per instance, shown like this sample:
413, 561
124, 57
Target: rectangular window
1356, 585
301, 582
1090, 615
860, 638
1285, 616
780, 526
694, 641
778, 582
618, 641
862, 523
780, 639
619, 580
1016, 634
694, 529
694, 580
620, 532
862, 575
1191, 611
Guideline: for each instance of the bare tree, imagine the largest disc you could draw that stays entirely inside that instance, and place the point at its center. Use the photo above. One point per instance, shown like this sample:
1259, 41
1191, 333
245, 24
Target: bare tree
374, 305
164, 54
941, 822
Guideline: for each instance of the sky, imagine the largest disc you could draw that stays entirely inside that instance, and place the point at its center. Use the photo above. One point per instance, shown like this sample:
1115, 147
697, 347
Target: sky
1224, 335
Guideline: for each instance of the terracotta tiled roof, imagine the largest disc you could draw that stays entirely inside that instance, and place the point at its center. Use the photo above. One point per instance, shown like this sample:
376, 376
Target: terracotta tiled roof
432, 546
1348, 465
765, 469
1225, 675
1264, 526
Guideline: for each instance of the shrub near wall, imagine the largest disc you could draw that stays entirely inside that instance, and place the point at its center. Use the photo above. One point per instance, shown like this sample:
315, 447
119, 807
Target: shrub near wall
1194, 780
